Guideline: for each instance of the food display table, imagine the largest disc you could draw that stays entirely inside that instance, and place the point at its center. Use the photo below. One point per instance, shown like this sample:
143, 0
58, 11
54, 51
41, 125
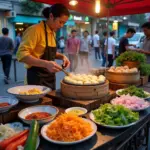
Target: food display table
110, 139
130, 138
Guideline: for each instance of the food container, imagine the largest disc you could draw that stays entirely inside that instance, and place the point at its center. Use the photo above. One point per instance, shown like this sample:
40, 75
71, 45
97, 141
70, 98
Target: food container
98, 71
131, 64
84, 92
28, 98
122, 78
40, 108
10, 100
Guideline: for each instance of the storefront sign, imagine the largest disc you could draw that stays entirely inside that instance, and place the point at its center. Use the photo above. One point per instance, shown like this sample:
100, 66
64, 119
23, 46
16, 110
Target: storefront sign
77, 18
115, 25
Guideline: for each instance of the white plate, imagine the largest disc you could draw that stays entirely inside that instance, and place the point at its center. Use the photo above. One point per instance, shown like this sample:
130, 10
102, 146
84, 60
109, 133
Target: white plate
39, 108
44, 128
12, 101
117, 92
91, 115
76, 108
112, 102
28, 98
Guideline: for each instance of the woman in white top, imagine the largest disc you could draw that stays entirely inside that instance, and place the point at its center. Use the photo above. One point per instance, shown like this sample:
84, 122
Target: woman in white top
84, 48
111, 48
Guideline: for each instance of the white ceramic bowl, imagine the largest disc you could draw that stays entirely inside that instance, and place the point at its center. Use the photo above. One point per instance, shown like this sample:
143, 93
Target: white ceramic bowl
28, 98
6, 99
39, 108
76, 108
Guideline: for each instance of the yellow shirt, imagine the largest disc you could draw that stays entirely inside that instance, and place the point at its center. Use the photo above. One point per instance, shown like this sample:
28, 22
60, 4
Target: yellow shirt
33, 42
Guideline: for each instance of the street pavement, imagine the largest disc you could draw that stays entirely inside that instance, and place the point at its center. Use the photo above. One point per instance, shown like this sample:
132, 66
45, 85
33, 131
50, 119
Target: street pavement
21, 71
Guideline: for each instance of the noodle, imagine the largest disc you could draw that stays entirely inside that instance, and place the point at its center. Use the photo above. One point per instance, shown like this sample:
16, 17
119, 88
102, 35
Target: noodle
68, 128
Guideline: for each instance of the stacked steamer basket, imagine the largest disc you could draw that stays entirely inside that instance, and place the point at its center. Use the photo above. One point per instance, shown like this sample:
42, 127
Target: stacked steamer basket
83, 89
123, 76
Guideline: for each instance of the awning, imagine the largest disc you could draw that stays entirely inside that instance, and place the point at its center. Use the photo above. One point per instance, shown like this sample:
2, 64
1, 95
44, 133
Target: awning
117, 7
26, 19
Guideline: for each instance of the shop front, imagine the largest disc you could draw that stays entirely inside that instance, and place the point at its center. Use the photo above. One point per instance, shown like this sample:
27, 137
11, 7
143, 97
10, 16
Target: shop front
79, 23
21, 23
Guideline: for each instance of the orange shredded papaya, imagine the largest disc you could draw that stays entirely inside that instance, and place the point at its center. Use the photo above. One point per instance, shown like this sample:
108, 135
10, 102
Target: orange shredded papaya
69, 128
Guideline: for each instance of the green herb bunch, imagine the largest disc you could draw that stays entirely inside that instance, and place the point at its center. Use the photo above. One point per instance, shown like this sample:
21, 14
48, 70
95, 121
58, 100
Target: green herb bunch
145, 69
130, 56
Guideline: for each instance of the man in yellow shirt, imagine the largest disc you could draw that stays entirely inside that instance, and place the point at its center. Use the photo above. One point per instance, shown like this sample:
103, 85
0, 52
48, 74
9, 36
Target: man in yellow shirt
38, 47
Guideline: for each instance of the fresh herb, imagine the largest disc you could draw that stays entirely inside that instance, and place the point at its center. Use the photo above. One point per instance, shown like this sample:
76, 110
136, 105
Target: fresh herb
134, 91
130, 56
115, 115
145, 69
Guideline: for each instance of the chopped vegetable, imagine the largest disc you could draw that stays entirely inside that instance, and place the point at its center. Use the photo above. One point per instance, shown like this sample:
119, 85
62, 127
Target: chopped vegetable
131, 102
21, 141
33, 135
6, 142
134, 91
115, 115
69, 128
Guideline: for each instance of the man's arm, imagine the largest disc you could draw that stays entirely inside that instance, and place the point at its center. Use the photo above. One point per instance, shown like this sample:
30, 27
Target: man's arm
144, 51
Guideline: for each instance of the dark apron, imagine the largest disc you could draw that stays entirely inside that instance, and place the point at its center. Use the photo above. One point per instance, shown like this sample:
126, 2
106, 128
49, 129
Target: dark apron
41, 76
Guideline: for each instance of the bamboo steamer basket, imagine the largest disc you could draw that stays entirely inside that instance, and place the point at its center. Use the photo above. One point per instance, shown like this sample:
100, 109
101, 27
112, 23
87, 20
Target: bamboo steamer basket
131, 64
122, 78
84, 92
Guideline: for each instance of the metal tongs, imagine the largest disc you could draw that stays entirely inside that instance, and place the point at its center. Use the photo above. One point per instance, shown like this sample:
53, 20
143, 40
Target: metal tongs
63, 69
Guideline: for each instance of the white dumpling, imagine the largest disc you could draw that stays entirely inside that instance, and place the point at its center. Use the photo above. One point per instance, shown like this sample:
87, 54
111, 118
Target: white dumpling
112, 67
79, 82
126, 67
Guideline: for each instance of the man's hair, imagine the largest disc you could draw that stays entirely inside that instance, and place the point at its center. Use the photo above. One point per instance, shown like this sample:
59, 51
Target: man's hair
146, 25
112, 33
104, 33
73, 31
5, 31
96, 32
86, 32
131, 30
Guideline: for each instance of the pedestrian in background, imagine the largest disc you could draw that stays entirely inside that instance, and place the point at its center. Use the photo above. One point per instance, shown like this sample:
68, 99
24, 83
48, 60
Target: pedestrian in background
102, 45
17, 42
85, 48
72, 49
146, 43
111, 48
124, 43
96, 44
6, 47
62, 44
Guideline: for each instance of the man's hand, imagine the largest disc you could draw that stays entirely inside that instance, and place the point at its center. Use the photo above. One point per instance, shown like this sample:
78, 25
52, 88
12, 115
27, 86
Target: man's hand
66, 62
52, 66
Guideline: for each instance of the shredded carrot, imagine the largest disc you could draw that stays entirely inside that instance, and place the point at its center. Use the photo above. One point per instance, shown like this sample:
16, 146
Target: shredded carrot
68, 128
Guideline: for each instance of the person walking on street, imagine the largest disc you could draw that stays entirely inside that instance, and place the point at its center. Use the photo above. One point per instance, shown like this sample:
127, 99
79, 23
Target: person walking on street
102, 44
6, 47
72, 48
85, 48
62, 44
124, 43
17, 42
111, 48
96, 44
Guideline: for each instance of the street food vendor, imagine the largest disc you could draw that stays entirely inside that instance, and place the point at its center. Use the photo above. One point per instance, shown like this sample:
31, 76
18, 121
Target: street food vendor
38, 47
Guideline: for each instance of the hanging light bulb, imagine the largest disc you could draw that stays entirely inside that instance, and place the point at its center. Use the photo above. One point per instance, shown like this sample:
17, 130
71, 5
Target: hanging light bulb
73, 2
97, 6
